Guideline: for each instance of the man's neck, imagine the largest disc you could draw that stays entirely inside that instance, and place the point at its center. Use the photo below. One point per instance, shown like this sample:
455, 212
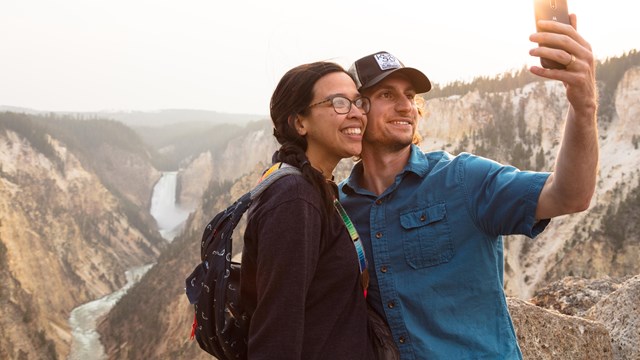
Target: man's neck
381, 167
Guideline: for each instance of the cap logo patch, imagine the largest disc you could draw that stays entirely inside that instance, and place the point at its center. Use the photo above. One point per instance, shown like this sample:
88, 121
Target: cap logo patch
387, 61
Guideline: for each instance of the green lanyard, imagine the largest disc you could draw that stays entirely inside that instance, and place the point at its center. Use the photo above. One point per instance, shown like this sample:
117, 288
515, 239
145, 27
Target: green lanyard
362, 260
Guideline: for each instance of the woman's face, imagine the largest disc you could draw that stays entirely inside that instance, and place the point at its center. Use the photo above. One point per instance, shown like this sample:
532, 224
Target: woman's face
331, 136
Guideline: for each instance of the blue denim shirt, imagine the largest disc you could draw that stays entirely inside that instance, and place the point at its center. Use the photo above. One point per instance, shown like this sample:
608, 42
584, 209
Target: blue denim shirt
434, 246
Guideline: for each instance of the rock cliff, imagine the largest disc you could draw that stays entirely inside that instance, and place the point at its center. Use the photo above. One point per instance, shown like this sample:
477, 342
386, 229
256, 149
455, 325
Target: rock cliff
620, 314
610, 302
65, 239
544, 334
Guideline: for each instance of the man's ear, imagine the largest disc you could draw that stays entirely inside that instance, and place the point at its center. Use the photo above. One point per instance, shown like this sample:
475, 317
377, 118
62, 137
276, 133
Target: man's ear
298, 124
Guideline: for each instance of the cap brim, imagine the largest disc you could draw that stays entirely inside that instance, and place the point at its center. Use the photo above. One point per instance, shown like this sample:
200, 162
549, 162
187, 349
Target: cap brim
419, 80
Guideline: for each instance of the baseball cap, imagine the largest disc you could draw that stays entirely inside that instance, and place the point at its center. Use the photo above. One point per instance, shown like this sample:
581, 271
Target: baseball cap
371, 69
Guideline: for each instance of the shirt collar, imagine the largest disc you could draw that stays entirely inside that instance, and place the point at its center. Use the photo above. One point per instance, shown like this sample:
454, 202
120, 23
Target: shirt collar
417, 164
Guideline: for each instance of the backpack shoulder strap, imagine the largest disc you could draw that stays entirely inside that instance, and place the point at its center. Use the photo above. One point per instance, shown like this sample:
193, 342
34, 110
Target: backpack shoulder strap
270, 176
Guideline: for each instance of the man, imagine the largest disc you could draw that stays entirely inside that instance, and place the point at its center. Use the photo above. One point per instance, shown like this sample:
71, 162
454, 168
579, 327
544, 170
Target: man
432, 223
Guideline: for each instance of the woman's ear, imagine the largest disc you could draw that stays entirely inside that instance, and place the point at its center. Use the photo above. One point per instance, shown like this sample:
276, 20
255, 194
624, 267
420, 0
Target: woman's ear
298, 124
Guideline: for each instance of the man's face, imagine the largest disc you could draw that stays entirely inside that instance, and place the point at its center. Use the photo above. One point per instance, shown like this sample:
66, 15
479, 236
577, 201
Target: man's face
393, 118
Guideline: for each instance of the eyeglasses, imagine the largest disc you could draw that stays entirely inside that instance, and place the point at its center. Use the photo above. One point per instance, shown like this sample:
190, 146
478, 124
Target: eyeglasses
342, 105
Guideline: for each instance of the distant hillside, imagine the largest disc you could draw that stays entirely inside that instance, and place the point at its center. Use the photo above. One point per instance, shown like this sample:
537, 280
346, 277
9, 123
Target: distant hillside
174, 136
173, 116
177, 144
608, 74
150, 118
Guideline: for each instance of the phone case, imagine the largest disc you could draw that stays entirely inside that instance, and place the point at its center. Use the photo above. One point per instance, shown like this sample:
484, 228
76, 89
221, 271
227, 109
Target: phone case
555, 10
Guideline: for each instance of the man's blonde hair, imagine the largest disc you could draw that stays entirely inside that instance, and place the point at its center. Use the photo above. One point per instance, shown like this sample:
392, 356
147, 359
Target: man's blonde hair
421, 105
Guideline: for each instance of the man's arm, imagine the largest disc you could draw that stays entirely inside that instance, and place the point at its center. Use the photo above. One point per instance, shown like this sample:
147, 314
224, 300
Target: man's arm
570, 188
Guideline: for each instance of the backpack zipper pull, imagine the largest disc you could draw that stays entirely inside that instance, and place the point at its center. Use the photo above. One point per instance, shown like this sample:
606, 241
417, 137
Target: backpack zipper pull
193, 326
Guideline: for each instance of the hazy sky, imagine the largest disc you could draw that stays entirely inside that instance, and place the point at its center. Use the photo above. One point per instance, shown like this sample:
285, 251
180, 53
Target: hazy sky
227, 56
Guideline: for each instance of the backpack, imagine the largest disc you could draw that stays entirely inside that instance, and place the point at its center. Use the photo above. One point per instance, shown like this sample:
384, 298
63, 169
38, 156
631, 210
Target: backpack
220, 324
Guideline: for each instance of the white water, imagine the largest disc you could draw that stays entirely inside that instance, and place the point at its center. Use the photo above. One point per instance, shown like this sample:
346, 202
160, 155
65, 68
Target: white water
86, 343
168, 215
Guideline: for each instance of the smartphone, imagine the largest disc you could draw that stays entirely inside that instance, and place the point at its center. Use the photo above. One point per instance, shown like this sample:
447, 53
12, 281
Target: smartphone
555, 10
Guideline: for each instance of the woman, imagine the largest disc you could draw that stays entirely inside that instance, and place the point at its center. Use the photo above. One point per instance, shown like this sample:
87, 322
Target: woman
300, 273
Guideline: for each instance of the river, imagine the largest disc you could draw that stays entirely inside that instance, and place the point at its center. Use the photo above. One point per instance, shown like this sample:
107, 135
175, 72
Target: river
86, 343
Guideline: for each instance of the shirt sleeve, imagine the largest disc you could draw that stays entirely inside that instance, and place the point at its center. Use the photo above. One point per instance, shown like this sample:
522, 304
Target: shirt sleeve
502, 199
288, 252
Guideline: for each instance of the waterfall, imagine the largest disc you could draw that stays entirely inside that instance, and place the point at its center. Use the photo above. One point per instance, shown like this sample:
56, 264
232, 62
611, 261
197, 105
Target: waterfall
169, 216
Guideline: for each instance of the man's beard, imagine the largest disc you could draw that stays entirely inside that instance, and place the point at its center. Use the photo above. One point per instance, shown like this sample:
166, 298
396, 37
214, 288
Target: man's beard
389, 145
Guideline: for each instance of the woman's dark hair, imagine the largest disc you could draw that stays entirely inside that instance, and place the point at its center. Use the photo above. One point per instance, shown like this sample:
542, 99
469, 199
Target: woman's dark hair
291, 98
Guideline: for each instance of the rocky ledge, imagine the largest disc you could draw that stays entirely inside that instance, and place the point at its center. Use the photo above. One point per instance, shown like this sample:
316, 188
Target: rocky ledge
580, 319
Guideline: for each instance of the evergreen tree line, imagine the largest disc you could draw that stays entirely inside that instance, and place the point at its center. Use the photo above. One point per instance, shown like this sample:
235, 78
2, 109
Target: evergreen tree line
484, 84
33, 131
506, 137
83, 136
621, 223
609, 72
80, 136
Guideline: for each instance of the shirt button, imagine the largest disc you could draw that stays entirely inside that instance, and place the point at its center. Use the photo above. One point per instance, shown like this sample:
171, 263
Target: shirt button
391, 305
383, 269
378, 235
423, 217
378, 202
401, 340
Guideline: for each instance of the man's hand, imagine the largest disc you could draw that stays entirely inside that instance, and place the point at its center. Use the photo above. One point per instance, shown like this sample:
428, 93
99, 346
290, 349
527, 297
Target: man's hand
570, 188
566, 46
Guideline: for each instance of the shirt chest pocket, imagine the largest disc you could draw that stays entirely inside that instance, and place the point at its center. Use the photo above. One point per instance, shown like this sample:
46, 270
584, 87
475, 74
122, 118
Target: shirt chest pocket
426, 236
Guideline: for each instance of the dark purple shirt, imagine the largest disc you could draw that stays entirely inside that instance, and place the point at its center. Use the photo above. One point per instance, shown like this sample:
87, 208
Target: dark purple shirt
300, 279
